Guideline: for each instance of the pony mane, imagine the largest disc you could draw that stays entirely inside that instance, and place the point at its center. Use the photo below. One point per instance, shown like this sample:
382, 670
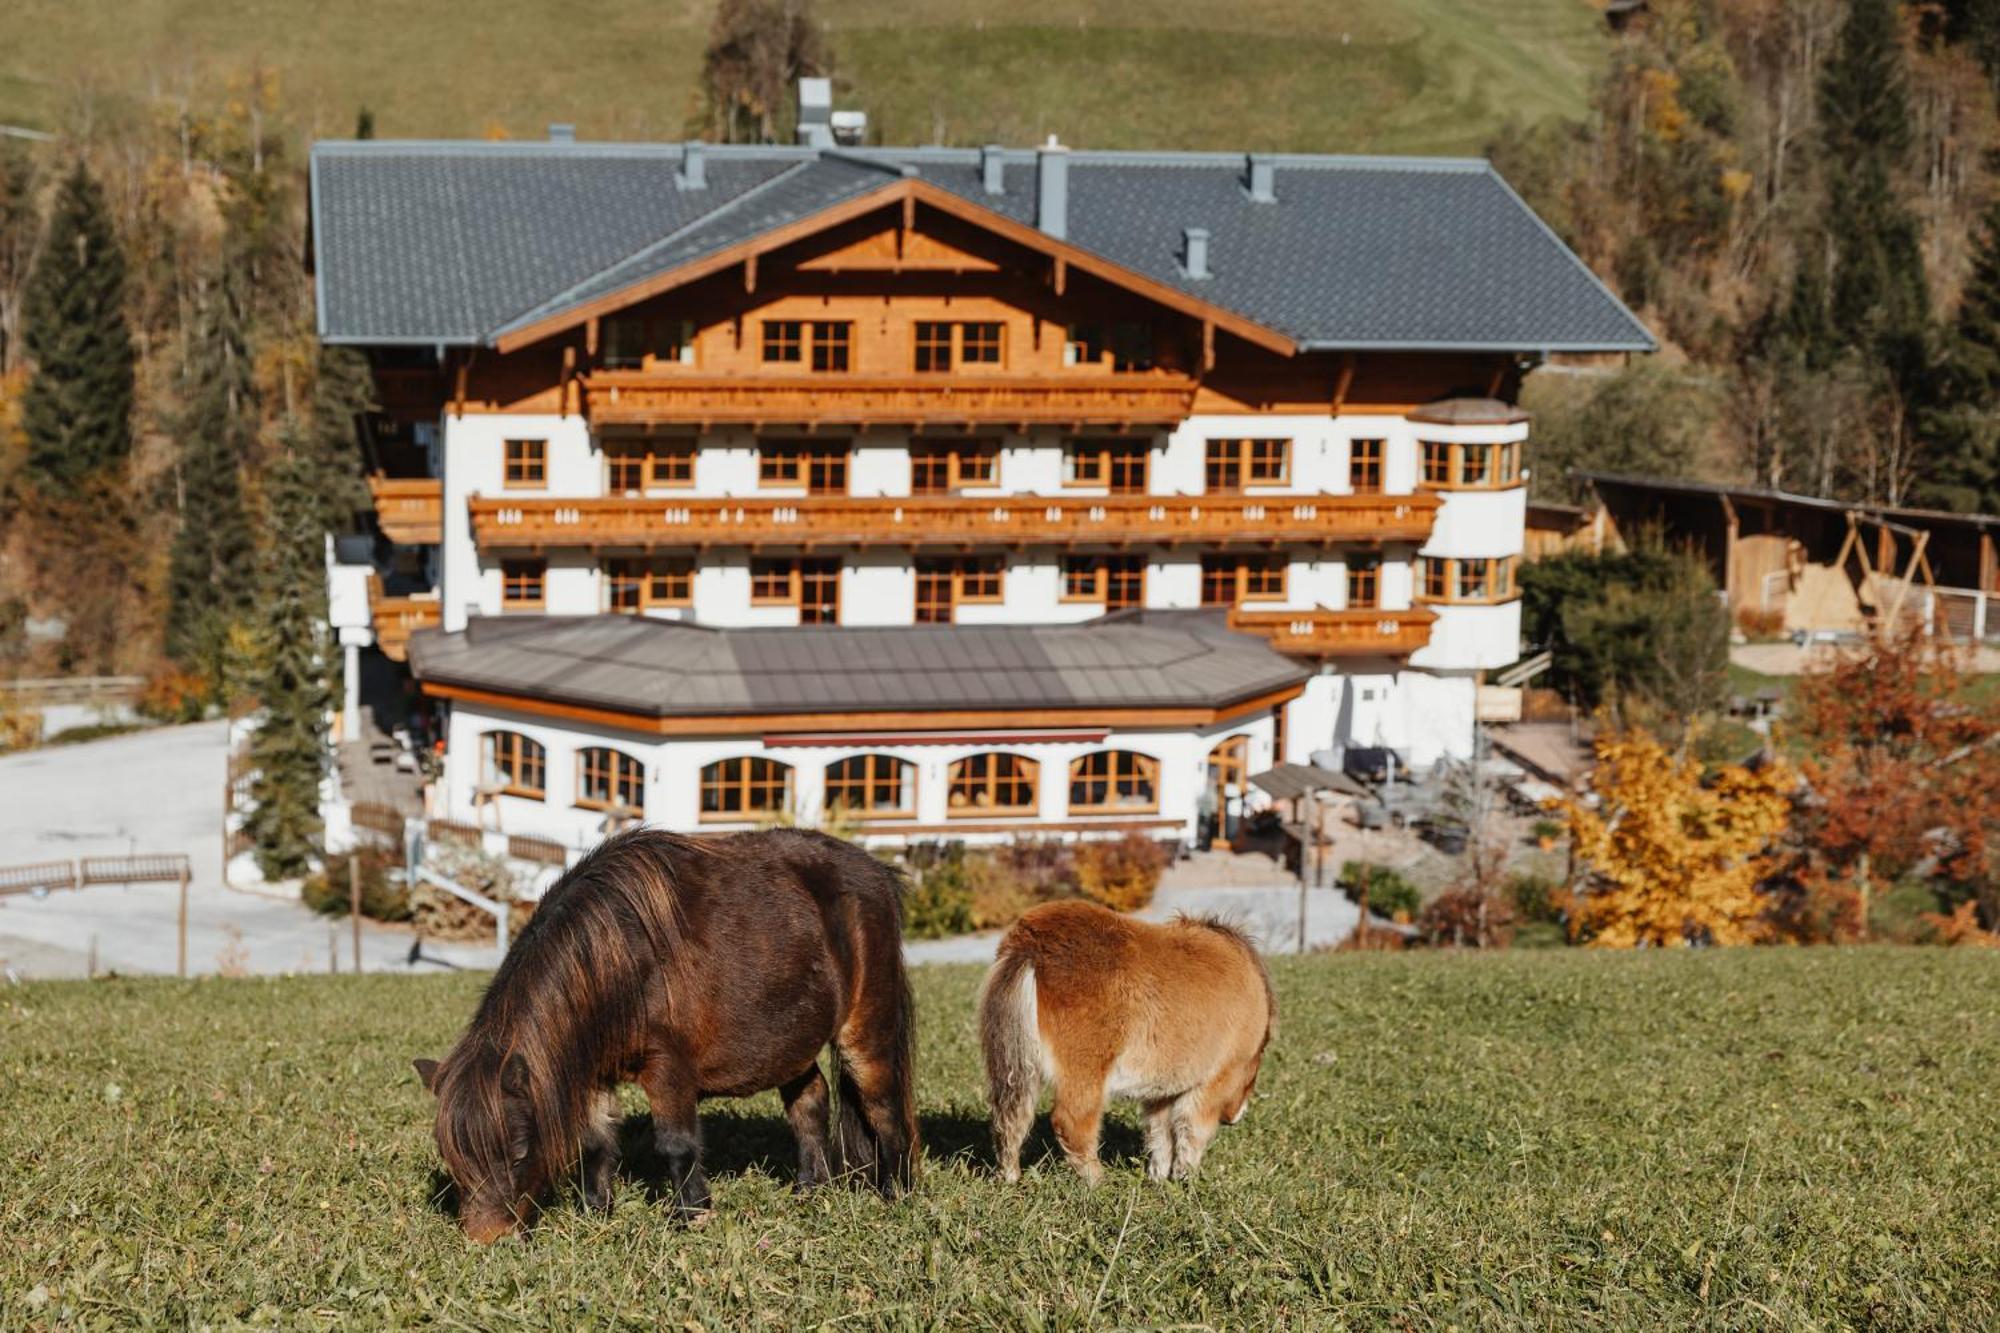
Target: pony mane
568, 1001
1236, 935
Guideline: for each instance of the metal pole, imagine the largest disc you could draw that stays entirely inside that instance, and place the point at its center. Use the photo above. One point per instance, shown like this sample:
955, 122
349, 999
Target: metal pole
332, 949
354, 902
1305, 851
181, 965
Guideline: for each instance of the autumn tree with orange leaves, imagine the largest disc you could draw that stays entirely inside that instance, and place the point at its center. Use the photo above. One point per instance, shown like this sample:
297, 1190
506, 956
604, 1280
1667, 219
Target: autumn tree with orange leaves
1904, 775
1672, 856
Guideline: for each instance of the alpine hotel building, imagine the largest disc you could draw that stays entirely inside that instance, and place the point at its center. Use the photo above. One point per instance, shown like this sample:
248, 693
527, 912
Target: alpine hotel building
972, 493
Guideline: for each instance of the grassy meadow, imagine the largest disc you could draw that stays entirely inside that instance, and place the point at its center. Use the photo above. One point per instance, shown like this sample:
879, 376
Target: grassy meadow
1305, 75
1756, 1138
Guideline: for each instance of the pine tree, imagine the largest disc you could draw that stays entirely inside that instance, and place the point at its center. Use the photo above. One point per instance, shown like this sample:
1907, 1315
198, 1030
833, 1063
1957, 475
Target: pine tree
289, 750
1963, 428
77, 412
18, 227
211, 571
343, 389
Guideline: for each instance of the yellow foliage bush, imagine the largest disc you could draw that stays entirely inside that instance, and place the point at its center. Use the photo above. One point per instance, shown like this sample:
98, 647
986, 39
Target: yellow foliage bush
1120, 875
1674, 859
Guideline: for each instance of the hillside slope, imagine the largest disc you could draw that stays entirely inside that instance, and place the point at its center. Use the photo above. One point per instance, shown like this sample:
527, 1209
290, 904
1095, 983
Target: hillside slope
1305, 75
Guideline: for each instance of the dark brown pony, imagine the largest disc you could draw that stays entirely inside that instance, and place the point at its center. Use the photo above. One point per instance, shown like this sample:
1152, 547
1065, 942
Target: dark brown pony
695, 967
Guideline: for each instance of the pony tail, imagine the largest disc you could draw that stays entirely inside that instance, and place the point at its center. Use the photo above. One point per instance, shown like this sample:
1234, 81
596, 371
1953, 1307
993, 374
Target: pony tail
1010, 1039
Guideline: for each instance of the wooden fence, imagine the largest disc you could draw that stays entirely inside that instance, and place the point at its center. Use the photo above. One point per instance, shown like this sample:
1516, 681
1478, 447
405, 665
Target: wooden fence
384, 820
543, 851
39, 875
162, 868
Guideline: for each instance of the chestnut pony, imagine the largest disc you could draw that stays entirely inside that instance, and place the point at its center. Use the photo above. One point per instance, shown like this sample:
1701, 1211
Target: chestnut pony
1102, 1005
694, 967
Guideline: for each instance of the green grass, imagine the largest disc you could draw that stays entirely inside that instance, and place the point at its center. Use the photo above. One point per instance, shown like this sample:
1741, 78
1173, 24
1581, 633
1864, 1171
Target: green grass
1318, 75
1561, 1139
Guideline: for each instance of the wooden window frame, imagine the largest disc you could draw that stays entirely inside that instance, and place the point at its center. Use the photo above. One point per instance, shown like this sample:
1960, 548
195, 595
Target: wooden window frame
803, 458
1236, 568
1502, 459
1500, 577
957, 571
795, 573
832, 340
664, 465
785, 337
1367, 464
940, 346
616, 770
649, 598
1107, 459
1121, 767
872, 763
744, 779
959, 457
530, 470
651, 334
957, 780
1101, 579
964, 335
1227, 462
529, 759
518, 571
1364, 572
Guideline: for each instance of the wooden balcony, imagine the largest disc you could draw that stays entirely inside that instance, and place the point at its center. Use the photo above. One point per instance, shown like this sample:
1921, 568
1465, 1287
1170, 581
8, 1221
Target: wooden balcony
396, 618
409, 510
1322, 633
1014, 520
633, 398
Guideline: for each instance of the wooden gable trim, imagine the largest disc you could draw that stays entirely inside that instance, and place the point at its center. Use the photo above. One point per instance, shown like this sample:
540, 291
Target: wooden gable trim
906, 192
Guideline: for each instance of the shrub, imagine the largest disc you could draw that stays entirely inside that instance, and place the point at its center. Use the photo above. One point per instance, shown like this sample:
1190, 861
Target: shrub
1381, 890
1758, 623
381, 898
447, 917
173, 695
1000, 892
1120, 875
1546, 830
1044, 867
938, 901
1467, 918
1535, 898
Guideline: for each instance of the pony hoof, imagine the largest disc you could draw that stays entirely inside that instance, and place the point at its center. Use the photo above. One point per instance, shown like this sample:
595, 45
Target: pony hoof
1010, 1174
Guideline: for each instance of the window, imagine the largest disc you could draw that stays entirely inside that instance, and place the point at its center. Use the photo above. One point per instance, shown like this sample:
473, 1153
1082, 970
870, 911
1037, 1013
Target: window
1229, 579
818, 465
1364, 467
1126, 345
632, 467
872, 786
745, 788
515, 764
1120, 466
608, 779
635, 584
527, 463
1118, 581
1480, 581
522, 584
940, 344
1235, 464
1229, 770
1364, 582
991, 784
1437, 463
940, 467
630, 341
1473, 466
1114, 780
784, 341
830, 339
813, 586
946, 582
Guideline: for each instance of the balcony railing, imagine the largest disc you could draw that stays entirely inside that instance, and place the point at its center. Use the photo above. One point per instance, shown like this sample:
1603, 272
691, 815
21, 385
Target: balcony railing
644, 398
409, 510
948, 520
1319, 632
397, 618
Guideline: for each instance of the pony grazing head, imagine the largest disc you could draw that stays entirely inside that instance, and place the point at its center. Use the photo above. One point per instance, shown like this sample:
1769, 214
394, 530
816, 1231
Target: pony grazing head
487, 1135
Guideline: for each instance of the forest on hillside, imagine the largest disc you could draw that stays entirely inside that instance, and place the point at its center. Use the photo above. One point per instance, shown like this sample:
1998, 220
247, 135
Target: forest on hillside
1797, 195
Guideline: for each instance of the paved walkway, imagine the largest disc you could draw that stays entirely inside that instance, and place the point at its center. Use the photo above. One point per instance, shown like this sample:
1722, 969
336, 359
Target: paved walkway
1789, 659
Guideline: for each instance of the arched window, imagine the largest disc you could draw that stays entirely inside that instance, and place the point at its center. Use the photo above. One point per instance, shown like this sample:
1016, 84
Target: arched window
1109, 781
515, 764
608, 779
992, 784
745, 788
871, 786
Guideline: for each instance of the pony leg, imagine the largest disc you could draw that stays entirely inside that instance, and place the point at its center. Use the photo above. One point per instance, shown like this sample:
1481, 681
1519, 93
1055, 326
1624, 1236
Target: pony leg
1194, 1122
600, 1153
806, 1100
1160, 1138
873, 1139
670, 1089
1078, 1115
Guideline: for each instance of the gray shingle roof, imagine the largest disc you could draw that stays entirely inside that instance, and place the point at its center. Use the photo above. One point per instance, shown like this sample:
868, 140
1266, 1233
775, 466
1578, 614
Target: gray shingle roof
455, 242
663, 668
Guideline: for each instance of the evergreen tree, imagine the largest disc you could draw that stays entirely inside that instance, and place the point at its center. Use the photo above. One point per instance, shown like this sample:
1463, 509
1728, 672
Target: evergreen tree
289, 749
211, 571
343, 389
77, 412
18, 227
1963, 429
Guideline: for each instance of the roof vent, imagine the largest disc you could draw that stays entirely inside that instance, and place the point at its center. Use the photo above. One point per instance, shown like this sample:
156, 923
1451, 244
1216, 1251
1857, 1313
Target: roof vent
816, 113
1194, 252
992, 169
1052, 189
561, 133
1263, 179
694, 166
849, 127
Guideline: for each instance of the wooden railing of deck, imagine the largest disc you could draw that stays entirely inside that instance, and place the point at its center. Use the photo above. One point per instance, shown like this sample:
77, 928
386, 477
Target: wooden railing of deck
651, 397
1319, 632
410, 510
